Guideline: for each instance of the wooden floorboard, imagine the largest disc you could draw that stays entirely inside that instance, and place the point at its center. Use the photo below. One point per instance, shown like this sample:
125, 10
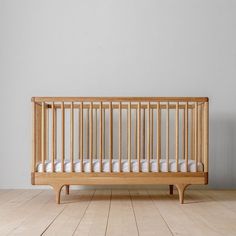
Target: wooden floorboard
94, 221
118, 212
121, 219
178, 219
149, 220
218, 217
66, 223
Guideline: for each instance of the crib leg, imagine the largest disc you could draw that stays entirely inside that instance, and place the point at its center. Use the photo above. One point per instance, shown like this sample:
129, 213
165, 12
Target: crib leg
171, 187
57, 189
181, 188
67, 189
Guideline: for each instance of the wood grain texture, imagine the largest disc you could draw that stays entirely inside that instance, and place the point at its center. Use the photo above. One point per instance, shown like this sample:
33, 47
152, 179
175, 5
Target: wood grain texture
140, 141
118, 212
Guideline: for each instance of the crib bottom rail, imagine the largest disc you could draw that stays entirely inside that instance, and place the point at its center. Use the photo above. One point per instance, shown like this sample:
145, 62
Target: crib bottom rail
180, 180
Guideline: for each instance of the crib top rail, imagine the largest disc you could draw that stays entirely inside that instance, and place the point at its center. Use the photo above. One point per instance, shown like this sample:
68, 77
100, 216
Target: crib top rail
120, 99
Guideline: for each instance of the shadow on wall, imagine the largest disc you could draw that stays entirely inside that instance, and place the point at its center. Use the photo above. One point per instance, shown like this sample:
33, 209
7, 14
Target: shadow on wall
222, 156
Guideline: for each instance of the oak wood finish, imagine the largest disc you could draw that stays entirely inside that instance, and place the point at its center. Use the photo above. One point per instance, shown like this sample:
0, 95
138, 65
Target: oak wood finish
141, 137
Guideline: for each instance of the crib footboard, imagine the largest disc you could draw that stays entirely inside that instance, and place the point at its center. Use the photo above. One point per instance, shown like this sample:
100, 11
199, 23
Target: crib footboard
120, 140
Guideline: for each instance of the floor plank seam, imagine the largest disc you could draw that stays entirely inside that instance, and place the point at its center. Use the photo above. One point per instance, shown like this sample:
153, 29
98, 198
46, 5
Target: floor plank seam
160, 213
53, 220
134, 212
84, 213
108, 213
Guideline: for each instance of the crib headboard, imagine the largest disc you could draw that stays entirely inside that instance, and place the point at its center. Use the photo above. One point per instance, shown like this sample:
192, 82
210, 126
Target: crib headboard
120, 128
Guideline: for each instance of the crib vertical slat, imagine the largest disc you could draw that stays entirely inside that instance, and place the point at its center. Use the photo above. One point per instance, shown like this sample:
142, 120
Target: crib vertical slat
96, 133
200, 133
151, 134
111, 137
101, 137
183, 134
72, 136
158, 136
135, 134
138, 135
186, 136
143, 133
196, 135
167, 135
46, 131
177, 136
33, 136
206, 135
148, 135
55, 131
53, 136
203, 135
81, 129
43, 137
91, 137
104, 133
192, 133
62, 136
87, 134
120, 135
129, 135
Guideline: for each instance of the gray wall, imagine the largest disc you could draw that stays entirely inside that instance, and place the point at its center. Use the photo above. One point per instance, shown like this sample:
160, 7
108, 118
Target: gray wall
116, 48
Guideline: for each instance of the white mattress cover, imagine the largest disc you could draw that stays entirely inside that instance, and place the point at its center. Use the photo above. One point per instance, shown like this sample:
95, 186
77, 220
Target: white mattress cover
124, 166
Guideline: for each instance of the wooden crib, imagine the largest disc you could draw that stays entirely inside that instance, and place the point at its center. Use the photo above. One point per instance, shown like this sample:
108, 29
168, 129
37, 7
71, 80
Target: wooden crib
120, 140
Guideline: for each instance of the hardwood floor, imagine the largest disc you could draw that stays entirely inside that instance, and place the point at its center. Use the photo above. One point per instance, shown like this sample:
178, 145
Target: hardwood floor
118, 212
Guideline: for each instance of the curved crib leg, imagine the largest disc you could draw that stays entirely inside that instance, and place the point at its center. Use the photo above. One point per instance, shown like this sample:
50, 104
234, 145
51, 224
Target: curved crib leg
67, 189
181, 188
171, 187
57, 189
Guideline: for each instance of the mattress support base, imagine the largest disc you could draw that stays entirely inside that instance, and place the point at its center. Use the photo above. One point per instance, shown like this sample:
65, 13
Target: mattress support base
180, 180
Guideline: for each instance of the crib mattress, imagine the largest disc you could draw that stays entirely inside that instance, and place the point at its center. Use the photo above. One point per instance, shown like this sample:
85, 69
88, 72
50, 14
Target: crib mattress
124, 166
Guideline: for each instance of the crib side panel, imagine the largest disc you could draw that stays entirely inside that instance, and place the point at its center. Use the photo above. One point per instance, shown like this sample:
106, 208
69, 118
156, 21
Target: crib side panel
121, 129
